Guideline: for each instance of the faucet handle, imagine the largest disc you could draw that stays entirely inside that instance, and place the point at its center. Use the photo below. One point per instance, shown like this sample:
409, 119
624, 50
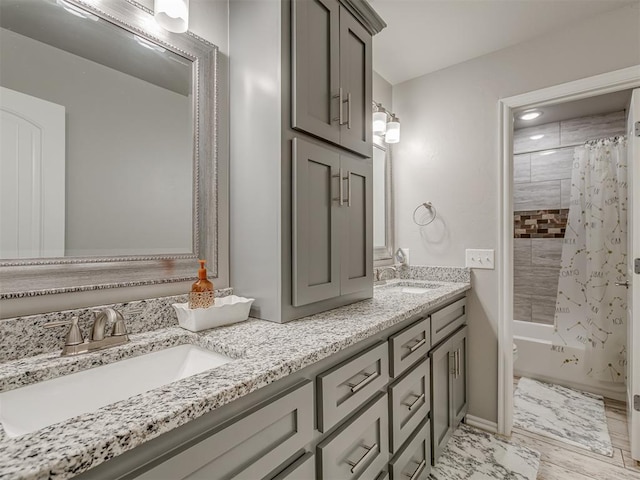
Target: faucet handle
119, 327
74, 335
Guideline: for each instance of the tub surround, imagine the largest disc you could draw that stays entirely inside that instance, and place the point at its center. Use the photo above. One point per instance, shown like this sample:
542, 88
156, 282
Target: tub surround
264, 352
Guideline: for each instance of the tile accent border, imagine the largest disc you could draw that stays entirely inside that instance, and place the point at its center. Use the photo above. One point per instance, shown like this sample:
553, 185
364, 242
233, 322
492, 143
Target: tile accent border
540, 223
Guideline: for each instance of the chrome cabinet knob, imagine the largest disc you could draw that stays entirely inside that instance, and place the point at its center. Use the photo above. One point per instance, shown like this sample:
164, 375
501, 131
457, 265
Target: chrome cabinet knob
623, 284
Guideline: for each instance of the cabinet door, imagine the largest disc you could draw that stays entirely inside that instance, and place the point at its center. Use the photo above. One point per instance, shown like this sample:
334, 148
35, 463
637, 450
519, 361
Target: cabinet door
347, 386
316, 260
359, 449
356, 82
356, 268
413, 462
304, 468
248, 446
459, 382
409, 403
441, 419
315, 82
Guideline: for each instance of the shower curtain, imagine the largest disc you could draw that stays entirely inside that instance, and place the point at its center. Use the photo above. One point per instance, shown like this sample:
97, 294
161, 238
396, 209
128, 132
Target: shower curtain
590, 308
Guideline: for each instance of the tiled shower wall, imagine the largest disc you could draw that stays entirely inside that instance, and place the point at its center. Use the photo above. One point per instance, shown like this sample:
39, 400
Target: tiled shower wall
541, 191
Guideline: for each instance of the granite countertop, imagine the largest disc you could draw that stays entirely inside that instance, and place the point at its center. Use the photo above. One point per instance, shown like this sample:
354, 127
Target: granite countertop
263, 352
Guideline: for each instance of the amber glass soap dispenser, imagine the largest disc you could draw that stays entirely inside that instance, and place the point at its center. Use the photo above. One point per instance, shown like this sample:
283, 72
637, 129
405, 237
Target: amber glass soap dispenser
201, 295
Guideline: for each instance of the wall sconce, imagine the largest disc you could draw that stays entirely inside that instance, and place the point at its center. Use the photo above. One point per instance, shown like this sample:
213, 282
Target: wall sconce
172, 15
393, 130
385, 124
379, 119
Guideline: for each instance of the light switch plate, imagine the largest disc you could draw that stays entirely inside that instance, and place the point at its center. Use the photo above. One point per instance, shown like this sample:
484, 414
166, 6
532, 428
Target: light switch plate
479, 258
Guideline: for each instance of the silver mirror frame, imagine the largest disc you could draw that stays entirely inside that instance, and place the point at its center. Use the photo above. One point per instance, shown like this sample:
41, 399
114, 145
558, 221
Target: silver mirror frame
31, 277
383, 255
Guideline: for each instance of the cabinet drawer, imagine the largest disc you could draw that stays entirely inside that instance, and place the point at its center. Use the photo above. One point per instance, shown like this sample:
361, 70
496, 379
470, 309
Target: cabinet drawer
413, 462
347, 386
407, 346
447, 320
304, 468
360, 448
409, 401
249, 446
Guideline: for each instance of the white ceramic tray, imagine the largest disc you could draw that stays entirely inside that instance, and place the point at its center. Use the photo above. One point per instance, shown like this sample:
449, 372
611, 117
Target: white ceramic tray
225, 311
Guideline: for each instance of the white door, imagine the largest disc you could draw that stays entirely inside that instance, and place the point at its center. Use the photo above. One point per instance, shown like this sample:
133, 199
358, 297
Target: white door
32, 176
633, 276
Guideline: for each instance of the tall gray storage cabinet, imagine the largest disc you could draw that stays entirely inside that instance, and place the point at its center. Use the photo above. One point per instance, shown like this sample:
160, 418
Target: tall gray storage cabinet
301, 146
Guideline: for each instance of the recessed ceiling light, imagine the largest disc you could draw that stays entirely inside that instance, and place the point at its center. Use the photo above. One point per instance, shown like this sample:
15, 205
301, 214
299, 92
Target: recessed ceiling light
548, 152
536, 137
530, 115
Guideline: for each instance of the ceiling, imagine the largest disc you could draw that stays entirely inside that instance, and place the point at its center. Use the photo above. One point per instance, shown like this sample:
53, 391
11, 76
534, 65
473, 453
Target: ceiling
611, 102
423, 36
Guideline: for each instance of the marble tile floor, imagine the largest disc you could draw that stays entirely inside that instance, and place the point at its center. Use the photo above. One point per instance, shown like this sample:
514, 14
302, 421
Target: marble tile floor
565, 414
477, 455
561, 461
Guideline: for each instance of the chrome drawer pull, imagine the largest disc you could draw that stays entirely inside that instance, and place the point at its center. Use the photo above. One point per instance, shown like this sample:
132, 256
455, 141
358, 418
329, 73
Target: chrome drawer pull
413, 404
372, 449
452, 357
418, 471
418, 345
341, 102
369, 378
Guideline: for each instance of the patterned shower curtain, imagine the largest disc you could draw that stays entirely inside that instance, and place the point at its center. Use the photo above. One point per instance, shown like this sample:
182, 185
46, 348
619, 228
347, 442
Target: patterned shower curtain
590, 308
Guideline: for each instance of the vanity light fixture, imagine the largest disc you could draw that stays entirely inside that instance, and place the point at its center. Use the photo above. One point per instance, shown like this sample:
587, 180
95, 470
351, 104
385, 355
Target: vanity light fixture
78, 12
385, 124
530, 115
172, 15
536, 137
393, 130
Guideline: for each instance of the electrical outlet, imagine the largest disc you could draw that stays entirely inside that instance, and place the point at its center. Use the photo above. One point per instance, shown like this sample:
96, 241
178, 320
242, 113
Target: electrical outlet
477, 258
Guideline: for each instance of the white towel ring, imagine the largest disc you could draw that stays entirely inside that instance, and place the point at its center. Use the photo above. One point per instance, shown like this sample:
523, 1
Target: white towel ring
429, 206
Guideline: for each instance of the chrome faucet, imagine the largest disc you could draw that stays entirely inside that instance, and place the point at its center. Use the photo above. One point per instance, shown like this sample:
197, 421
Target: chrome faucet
381, 270
75, 344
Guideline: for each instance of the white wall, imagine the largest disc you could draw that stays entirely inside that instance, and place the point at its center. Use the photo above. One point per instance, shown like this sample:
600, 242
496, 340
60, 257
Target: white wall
449, 155
382, 91
209, 20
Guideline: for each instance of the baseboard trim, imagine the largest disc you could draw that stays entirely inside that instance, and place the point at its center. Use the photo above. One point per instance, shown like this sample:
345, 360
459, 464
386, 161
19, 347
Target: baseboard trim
481, 423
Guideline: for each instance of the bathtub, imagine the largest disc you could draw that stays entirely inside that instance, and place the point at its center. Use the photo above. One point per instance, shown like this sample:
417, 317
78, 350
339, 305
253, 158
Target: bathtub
540, 358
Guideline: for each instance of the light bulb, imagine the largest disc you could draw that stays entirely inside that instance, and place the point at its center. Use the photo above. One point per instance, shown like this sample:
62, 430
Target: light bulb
172, 15
379, 122
393, 130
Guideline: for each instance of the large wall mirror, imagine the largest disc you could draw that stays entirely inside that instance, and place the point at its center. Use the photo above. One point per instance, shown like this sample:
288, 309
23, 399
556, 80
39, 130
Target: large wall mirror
108, 149
382, 205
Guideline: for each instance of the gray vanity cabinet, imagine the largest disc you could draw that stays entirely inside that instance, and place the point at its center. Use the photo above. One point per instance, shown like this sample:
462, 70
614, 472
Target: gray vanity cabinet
332, 80
249, 446
332, 223
448, 389
359, 449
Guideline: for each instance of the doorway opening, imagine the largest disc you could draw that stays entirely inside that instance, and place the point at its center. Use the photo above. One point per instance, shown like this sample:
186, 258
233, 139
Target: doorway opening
610, 85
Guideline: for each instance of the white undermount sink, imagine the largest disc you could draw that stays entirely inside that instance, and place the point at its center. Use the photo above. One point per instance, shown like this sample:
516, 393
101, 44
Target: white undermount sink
36, 406
414, 290
407, 287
